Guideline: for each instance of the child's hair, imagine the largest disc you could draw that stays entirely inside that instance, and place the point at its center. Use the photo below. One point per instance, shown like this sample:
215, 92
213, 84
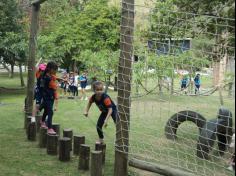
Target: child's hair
51, 66
97, 84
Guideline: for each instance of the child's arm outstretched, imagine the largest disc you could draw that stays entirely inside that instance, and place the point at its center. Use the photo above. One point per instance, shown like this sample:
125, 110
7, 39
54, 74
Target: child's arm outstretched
108, 116
87, 109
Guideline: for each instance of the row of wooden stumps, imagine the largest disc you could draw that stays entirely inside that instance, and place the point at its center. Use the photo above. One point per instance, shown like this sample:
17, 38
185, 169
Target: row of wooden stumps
63, 146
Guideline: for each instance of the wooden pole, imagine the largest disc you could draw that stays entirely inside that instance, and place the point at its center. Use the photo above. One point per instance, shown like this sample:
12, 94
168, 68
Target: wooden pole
42, 137
124, 88
32, 55
56, 128
38, 119
96, 163
31, 134
102, 148
163, 170
64, 149
28, 121
84, 157
78, 141
52, 144
68, 133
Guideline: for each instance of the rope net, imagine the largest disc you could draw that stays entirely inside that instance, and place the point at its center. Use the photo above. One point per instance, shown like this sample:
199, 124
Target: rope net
180, 111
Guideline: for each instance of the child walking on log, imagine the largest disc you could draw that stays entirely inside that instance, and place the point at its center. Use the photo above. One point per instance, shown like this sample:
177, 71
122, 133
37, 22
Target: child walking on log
49, 84
105, 105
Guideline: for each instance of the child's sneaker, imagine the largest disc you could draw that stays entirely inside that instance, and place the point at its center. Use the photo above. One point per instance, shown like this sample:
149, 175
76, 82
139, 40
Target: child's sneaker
51, 131
43, 125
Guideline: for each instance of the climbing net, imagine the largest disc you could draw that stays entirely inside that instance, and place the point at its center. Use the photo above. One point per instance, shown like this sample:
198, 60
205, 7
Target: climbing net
167, 114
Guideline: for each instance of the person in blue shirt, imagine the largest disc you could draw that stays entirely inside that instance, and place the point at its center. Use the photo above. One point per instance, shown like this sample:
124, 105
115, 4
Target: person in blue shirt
197, 83
184, 83
105, 105
83, 84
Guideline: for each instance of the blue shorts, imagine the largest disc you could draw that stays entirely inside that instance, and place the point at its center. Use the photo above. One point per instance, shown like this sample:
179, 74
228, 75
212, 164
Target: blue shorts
83, 85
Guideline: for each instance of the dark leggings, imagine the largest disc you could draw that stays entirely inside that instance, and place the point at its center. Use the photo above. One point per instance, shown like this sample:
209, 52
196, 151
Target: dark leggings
48, 111
101, 121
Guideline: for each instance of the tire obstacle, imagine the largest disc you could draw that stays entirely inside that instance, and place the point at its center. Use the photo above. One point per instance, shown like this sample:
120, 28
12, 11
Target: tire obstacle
63, 147
177, 119
221, 129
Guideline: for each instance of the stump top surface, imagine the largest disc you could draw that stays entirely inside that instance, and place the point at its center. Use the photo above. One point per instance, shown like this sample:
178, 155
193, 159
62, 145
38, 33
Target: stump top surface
79, 136
67, 130
52, 135
64, 139
96, 152
84, 145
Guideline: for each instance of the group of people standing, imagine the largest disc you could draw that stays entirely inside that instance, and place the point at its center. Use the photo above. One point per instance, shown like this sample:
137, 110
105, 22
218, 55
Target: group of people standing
47, 98
185, 81
70, 84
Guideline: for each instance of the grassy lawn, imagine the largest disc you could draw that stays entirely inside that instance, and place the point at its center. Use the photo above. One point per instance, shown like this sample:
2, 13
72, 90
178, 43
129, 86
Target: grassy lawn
149, 115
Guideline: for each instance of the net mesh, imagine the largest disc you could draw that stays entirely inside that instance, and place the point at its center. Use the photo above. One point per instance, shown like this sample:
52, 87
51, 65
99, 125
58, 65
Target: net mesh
181, 110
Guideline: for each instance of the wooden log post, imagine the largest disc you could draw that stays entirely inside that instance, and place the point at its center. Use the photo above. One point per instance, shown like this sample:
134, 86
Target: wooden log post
32, 56
42, 137
52, 144
124, 88
78, 141
28, 121
38, 119
160, 169
68, 133
96, 164
64, 149
56, 128
31, 134
102, 148
84, 157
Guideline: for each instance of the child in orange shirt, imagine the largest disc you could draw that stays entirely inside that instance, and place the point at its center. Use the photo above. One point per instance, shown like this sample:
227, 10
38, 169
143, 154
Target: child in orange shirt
49, 94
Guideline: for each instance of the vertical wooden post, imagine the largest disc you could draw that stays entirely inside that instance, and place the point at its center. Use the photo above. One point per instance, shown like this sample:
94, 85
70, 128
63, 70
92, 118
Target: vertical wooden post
38, 119
64, 149
124, 88
102, 148
52, 144
56, 128
84, 157
68, 133
42, 137
28, 121
78, 141
96, 163
31, 134
32, 55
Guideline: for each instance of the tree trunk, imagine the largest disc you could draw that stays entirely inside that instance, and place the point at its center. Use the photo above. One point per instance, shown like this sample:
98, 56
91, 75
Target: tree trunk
21, 76
12, 70
6, 67
32, 55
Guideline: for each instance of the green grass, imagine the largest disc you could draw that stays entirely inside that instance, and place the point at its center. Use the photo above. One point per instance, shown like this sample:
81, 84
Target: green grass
7, 82
149, 115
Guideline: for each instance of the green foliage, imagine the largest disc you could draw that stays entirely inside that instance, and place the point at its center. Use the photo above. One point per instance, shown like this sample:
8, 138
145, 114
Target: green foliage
12, 37
76, 33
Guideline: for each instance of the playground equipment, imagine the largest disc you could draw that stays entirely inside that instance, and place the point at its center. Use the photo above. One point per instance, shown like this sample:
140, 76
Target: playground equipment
180, 117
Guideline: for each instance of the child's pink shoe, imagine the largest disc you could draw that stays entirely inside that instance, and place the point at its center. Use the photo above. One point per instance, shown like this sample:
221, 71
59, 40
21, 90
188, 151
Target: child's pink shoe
43, 125
51, 131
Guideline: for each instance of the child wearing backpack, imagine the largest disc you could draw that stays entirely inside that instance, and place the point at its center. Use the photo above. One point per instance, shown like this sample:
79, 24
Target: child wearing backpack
49, 94
105, 105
